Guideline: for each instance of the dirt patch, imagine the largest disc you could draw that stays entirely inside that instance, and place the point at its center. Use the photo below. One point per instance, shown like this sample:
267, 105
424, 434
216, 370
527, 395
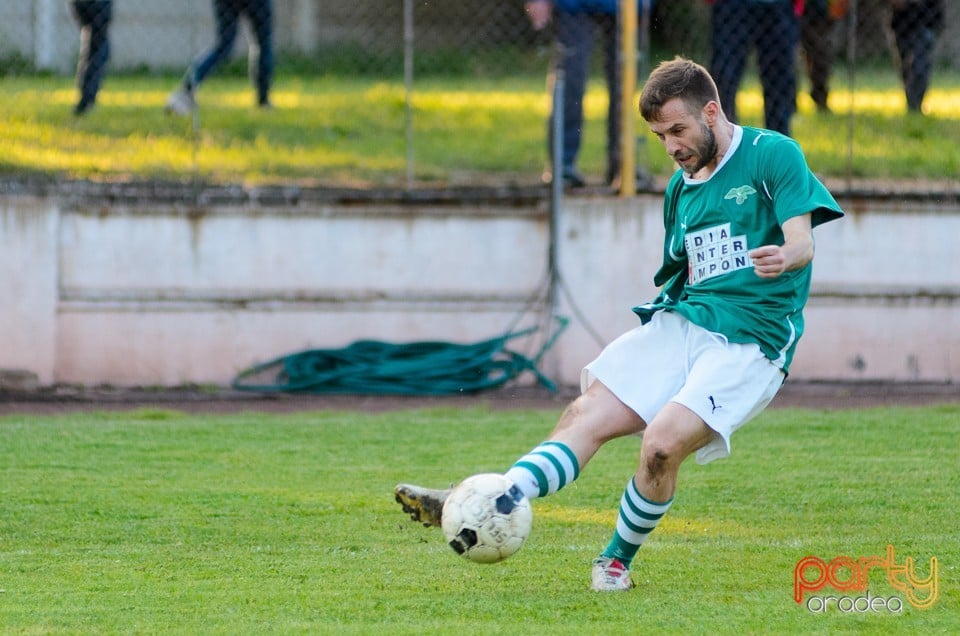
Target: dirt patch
818, 395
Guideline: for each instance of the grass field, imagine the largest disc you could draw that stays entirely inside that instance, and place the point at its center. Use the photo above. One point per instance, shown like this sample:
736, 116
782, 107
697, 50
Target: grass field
352, 131
160, 522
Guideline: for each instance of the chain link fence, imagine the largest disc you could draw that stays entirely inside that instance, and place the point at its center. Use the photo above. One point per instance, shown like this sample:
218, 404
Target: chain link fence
792, 57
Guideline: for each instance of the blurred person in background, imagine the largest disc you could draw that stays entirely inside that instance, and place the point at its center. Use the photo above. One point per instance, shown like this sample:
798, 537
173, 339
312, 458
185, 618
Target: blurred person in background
93, 17
227, 13
916, 24
578, 24
772, 27
817, 25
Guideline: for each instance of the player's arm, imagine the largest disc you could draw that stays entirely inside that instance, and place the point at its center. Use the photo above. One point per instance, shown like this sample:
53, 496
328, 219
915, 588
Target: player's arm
770, 261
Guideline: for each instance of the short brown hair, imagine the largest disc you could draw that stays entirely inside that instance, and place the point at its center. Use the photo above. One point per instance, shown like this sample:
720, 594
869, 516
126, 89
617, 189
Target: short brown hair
677, 78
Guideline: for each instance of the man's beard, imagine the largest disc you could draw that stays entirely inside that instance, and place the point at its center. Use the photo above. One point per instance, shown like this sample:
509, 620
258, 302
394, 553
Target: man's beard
706, 149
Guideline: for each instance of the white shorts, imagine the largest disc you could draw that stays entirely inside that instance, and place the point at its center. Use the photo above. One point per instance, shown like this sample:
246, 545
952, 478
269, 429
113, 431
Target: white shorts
670, 359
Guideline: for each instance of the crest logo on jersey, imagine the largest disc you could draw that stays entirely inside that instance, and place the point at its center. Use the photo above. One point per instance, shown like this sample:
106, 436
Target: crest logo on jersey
740, 194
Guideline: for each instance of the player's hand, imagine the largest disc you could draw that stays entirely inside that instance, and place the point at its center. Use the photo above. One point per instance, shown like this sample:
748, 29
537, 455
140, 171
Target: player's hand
769, 261
539, 12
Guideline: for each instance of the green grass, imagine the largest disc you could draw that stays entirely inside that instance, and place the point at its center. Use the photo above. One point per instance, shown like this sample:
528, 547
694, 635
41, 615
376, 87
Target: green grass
160, 522
352, 132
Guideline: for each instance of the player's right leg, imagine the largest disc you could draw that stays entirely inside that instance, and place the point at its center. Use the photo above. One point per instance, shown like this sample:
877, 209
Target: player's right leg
593, 419
422, 504
587, 423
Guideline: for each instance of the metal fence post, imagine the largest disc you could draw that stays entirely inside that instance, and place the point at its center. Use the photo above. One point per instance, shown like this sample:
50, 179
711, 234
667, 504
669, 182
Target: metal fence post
852, 77
44, 27
408, 42
556, 186
628, 87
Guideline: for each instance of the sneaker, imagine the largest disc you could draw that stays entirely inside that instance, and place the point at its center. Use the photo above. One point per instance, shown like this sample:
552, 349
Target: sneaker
181, 102
422, 504
610, 575
573, 179
82, 107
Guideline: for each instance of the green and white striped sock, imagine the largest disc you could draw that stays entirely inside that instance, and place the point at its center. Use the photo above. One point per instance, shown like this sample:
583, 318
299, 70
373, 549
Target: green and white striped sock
544, 470
637, 518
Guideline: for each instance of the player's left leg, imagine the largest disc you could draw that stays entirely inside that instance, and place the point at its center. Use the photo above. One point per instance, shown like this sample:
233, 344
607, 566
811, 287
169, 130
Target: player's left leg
727, 386
673, 435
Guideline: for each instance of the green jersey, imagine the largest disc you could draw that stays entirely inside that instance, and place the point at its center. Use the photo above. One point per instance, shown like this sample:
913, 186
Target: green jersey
707, 276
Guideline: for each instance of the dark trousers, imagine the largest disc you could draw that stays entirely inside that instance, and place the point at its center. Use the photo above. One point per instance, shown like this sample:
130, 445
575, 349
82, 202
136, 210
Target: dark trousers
914, 51
94, 17
227, 13
816, 39
575, 41
772, 28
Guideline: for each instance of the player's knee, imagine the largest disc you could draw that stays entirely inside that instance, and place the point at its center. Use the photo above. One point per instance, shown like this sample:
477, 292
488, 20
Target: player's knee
656, 461
660, 453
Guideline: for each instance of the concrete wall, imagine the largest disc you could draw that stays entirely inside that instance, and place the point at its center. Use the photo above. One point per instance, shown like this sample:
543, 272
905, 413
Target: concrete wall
158, 35
129, 293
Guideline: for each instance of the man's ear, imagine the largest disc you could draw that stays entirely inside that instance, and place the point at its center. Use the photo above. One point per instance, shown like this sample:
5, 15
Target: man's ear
710, 111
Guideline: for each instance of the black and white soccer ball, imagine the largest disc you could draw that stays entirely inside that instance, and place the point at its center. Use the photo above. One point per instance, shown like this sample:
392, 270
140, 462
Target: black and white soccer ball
486, 518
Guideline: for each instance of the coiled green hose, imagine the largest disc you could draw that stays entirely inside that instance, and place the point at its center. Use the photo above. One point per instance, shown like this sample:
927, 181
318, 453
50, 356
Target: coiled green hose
416, 368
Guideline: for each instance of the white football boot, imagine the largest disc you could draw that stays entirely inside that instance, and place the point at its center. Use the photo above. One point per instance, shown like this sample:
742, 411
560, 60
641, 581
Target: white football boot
610, 575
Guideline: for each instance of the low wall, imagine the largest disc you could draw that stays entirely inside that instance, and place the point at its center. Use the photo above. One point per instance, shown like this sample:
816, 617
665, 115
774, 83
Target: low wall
124, 287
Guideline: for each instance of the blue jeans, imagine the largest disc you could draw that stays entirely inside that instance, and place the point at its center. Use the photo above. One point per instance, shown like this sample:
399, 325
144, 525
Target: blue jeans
227, 13
575, 39
915, 52
773, 29
93, 16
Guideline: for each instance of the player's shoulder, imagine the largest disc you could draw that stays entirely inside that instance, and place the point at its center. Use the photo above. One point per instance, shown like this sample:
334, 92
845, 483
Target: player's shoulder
766, 140
769, 148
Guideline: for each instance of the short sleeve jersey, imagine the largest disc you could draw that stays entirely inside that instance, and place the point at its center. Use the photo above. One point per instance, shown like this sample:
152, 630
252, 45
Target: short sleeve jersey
711, 225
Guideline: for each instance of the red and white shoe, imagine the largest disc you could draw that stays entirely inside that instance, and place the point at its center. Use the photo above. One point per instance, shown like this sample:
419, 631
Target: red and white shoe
610, 575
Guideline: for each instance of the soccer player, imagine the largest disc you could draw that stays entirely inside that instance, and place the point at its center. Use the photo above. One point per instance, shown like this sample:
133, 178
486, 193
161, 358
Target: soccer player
715, 345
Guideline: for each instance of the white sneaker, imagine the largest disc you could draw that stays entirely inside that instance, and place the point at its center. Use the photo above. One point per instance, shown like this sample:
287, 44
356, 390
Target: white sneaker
422, 504
181, 102
610, 575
